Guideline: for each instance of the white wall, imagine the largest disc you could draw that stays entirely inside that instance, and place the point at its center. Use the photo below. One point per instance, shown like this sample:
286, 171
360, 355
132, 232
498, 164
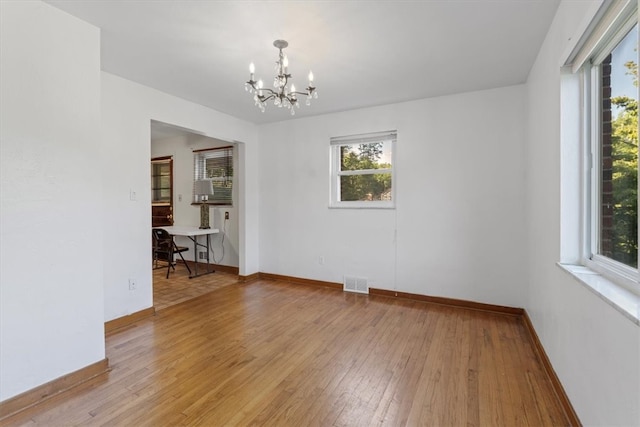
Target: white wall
594, 349
458, 230
180, 148
460, 207
127, 111
51, 302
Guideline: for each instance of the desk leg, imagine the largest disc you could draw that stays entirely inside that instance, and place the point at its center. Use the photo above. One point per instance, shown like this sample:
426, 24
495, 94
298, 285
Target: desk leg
208, 262
194, 239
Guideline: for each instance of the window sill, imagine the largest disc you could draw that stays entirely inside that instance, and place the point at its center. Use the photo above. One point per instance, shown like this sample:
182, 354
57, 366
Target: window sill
360, 207
363, 204
211, 204
623, 300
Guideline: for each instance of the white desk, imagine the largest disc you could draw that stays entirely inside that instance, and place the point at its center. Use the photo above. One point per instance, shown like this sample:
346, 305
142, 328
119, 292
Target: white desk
192, 233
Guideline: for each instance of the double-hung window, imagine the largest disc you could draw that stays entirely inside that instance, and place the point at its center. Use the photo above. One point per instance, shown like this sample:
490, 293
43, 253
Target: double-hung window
607, 63
216, 165
362, 170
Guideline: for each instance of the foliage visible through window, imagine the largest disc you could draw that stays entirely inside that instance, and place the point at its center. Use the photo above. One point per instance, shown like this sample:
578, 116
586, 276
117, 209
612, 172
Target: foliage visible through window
215, 164
363, 170
619, 153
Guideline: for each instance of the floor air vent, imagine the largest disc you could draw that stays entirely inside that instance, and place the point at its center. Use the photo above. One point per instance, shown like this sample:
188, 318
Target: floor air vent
355, 284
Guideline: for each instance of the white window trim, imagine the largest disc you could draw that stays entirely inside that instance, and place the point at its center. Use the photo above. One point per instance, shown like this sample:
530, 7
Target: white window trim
615, 283
336, 173
619, 273
618, 297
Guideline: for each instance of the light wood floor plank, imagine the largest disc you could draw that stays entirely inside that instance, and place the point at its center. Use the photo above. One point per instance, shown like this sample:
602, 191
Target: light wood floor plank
280, 354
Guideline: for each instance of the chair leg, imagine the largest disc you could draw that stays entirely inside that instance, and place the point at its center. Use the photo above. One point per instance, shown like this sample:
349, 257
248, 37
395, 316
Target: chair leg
170, 262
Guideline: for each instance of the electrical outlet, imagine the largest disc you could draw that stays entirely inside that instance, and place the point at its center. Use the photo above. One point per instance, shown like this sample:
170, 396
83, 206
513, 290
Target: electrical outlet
132, 195
321, 260
202, 255
226, 215
132, 284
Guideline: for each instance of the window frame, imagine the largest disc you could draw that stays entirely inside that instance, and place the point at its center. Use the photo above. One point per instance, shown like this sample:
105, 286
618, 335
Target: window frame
591, 85
336, 173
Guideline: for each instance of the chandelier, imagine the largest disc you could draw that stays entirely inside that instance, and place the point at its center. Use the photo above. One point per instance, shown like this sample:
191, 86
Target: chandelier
282, 95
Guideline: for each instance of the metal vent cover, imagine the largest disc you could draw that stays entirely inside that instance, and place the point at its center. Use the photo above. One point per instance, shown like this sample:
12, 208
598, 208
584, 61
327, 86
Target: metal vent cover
355, 284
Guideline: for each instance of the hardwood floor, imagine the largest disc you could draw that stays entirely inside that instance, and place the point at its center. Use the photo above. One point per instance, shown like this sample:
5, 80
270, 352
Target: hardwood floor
279, 354
178, 287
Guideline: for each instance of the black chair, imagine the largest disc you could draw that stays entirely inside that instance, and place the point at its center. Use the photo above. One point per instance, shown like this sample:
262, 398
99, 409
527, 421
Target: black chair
164, 249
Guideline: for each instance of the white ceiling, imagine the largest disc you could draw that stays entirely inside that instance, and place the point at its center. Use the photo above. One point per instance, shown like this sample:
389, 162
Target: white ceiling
362, 53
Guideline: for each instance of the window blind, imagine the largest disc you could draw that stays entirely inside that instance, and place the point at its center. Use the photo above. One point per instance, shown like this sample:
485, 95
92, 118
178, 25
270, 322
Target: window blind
215, 164
599, 37
364, 138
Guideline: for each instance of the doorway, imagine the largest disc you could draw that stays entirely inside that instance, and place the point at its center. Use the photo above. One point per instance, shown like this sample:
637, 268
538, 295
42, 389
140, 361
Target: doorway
173, 165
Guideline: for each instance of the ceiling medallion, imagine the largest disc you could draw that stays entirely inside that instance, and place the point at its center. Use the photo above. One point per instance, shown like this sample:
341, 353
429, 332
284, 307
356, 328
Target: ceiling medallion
281, 94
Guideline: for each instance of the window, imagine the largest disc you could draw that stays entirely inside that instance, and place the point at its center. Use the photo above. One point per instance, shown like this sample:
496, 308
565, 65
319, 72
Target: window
215, 164
362, 173
607, 63
618, 152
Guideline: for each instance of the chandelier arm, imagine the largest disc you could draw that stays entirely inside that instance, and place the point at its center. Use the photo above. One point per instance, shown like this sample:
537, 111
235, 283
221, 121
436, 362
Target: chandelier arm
264, 89
268, 97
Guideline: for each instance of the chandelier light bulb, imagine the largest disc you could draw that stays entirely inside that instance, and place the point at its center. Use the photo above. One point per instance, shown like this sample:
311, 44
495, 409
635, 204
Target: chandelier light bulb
252, 68
310, 77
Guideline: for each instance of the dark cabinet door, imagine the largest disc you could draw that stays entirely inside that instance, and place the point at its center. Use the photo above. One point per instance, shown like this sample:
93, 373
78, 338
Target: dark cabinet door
161, 216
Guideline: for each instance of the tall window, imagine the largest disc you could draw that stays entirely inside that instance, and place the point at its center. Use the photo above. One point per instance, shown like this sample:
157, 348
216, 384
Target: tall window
362, 173
618, 234
215, 164
607, 62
